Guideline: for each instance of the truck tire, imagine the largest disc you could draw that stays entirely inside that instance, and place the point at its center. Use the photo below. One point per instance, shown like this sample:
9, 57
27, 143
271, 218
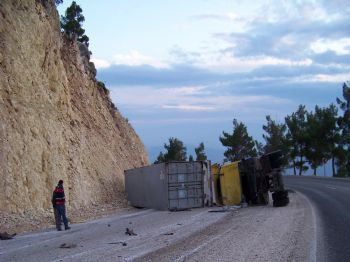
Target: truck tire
280, 198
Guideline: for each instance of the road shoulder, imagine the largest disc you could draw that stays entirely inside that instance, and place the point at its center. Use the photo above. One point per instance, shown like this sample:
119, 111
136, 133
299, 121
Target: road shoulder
261, 233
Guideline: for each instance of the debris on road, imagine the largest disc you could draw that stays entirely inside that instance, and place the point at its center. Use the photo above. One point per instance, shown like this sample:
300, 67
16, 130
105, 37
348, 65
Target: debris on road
175, 209
6, 236
119, 242
64, 245
130, 232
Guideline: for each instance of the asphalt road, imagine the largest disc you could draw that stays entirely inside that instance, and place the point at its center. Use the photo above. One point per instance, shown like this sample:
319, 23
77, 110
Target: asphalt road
261, 233
330, 199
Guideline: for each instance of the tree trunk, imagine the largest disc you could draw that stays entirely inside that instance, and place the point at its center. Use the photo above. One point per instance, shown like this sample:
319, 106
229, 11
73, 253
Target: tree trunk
295, 171
301, 166
333, 166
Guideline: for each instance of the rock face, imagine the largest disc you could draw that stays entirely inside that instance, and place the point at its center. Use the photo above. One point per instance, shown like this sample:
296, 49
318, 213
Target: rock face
56, 121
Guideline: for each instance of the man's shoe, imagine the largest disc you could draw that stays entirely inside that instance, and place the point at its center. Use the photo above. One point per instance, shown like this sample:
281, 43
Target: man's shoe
58, 229
67, 228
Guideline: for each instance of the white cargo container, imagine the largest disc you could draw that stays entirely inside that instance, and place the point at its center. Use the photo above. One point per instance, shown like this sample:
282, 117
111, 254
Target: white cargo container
169, 186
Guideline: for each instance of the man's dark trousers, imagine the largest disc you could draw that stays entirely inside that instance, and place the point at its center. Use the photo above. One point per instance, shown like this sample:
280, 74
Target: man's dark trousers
61, 210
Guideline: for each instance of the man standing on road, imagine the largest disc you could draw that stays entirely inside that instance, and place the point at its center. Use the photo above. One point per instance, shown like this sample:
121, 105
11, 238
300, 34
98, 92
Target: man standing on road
55, 212
58, 200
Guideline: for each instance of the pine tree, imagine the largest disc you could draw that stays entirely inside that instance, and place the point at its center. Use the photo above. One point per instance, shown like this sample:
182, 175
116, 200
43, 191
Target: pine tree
344, 124
297, 139
316, 145
275, 138
239, 144
175, 151
200, 154
71, 23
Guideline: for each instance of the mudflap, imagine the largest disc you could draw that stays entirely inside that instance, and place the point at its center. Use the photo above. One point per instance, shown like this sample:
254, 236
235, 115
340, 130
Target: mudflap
280, 198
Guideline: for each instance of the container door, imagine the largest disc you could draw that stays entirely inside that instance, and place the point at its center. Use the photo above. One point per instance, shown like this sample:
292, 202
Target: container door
185, 185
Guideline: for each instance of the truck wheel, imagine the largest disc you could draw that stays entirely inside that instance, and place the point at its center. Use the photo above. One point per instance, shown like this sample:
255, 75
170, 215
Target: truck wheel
280, 198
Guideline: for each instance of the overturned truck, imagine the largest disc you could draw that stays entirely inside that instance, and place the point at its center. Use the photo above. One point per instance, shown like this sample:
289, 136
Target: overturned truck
250, 181
261, 175
181, 185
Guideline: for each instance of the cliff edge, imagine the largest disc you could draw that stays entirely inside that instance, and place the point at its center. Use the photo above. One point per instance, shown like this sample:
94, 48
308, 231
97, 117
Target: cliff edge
56, 120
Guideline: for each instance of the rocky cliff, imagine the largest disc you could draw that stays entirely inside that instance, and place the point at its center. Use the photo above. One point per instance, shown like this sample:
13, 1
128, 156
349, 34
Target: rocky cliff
56, 121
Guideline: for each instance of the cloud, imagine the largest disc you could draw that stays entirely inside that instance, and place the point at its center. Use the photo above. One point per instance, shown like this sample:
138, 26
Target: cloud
220, 17
339, 46
330, 58
227, 62
184, 107
189, 99
177, 75
328, 78
135, 58
275, 62
297, 38
100, 63
263, 71
132, 58
181, 120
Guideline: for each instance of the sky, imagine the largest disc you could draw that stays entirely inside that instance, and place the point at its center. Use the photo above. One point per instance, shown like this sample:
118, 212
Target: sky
186, 69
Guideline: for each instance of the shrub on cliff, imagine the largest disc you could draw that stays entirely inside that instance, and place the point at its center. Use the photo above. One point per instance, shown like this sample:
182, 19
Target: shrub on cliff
72, 21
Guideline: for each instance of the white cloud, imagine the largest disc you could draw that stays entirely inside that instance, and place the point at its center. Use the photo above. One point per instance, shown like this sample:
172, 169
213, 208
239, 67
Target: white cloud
187, 90
227, 62
131, 58
183, 107
135, 58
323, 78
339, 46
199, 99
225, 17
181, 120
100, 63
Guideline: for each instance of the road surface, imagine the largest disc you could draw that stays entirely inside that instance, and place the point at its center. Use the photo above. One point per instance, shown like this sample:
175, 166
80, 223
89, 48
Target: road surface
330, 198
262, 233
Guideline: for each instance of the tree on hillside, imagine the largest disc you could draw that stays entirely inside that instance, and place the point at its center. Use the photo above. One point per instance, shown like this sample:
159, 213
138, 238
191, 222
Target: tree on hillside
317, 148
344, 124
175, 151
58, 2
275, 138
71, 23
239, 144
326, 134
200, 154
297, 139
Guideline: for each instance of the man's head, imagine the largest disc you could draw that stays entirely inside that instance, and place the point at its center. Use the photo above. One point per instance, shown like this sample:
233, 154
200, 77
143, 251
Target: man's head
60, 182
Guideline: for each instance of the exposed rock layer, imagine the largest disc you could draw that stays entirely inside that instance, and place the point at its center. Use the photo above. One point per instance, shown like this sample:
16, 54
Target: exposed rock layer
56, 122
